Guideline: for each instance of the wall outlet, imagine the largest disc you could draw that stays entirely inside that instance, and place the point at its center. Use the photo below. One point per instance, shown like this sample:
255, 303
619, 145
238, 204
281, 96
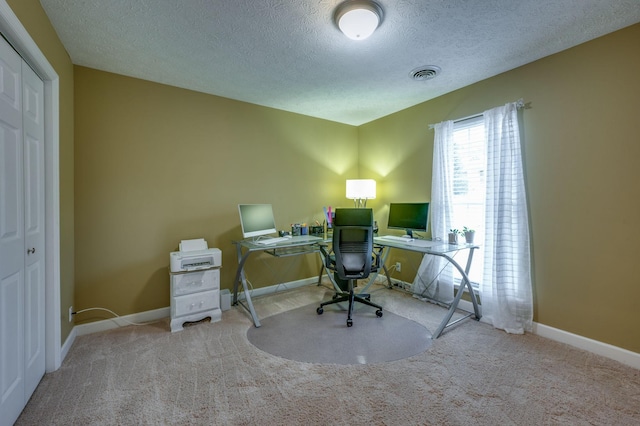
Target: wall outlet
70, 313
398, 266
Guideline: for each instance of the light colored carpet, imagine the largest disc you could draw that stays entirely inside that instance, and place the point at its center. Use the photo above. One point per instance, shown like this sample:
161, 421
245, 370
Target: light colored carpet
210, 374
302, 335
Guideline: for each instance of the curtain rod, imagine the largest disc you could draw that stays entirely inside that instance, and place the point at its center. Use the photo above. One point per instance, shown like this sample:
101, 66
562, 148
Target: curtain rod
520, 104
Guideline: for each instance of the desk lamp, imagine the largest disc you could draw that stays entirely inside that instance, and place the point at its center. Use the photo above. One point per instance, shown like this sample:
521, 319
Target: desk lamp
361, 190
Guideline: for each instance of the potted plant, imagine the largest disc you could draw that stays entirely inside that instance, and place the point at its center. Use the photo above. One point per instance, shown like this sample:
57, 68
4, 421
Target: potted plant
453, 236
469, 234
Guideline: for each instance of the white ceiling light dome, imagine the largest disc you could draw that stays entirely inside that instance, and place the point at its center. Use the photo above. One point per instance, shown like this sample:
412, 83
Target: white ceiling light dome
358, 19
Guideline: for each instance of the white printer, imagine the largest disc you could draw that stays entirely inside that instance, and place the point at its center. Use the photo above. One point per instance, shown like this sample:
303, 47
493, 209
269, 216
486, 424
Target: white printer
194, 255
195, 283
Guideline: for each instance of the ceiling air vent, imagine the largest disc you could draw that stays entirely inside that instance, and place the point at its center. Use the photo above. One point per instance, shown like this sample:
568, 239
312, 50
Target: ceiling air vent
426, 72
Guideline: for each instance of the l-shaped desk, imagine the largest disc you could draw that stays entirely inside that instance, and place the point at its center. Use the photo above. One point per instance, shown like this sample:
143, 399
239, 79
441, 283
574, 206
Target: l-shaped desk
309, 244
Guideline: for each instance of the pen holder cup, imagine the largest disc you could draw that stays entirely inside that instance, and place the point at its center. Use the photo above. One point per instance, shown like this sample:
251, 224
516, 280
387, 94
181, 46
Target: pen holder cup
317, 231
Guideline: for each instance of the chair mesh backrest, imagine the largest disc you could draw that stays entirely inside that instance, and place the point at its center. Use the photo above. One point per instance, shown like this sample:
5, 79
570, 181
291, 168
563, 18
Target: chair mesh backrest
353, 242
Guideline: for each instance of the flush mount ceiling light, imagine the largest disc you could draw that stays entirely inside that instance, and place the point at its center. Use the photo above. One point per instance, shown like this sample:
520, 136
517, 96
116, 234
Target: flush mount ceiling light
358, 19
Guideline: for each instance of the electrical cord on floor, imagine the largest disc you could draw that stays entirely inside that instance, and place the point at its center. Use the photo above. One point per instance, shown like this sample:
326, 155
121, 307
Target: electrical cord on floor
113, 313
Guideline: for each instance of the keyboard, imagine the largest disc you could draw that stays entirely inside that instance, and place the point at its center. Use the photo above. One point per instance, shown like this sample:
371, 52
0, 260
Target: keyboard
269, 241
424, 243
394, 238
411, 241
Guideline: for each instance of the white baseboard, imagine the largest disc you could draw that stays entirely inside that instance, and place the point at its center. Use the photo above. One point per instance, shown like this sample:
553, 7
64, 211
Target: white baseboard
111, 323
621, 355
71, 338
156, 314
606, 350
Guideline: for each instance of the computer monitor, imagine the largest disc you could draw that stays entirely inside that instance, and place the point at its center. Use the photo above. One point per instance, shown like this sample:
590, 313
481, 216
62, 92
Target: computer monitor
256, 220
409, 216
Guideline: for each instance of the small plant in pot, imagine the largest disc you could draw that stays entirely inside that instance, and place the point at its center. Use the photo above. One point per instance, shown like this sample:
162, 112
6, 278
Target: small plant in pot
453, 236
469, 234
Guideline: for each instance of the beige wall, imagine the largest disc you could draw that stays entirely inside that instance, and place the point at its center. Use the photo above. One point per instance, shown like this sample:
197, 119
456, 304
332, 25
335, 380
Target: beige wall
35, 21
581, 148
156, 164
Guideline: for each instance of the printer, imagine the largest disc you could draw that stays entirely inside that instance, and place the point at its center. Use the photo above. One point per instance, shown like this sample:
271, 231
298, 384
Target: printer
194, 255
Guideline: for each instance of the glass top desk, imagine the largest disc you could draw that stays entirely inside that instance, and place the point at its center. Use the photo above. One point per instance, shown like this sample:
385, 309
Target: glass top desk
446, 251
306, 244
294, 246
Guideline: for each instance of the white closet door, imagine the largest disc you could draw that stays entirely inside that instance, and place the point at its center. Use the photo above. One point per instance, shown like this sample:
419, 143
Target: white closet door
33, 137
12, 244
21, 234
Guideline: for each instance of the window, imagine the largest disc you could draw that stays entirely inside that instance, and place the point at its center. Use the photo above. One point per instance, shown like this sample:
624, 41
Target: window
469, 186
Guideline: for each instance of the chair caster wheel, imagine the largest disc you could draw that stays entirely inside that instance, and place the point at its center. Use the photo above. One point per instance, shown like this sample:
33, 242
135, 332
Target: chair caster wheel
349, 322
319, 311
379, 313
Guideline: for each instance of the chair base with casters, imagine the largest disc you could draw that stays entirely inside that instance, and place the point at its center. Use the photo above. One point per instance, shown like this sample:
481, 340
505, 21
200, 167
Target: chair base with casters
352, 298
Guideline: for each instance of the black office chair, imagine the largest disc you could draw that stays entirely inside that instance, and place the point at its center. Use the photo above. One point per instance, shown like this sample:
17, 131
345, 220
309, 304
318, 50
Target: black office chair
352, 256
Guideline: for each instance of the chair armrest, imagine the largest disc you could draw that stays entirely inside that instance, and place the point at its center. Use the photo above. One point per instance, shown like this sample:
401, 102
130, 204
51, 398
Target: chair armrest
377, 257
327, 254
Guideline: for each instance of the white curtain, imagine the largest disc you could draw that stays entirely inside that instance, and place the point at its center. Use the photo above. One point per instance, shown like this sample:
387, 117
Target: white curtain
432, 280
505, 291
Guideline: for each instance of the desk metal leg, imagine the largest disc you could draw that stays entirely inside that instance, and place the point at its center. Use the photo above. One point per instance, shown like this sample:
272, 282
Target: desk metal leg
322, 268
476, 308
386, 272
241, 278
383, 259
454, 305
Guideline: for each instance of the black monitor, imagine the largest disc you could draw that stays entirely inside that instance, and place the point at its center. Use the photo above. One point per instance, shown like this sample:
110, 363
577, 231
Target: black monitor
409, 216
256, 220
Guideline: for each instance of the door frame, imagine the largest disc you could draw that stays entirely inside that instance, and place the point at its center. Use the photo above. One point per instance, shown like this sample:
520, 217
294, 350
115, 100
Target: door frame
17, 35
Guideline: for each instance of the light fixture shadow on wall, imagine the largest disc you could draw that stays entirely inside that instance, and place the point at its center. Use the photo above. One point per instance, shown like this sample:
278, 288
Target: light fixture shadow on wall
358, 19
361, 190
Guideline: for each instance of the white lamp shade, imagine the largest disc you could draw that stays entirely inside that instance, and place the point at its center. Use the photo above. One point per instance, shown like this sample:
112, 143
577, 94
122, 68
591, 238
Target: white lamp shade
361, 189
358, 19
358, 24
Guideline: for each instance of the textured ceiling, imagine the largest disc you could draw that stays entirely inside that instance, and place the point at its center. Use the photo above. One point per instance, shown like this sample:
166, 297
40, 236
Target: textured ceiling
288, 54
